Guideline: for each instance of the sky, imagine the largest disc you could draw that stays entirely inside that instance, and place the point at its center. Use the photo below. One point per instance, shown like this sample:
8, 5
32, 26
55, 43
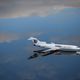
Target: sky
23, 8
12, 29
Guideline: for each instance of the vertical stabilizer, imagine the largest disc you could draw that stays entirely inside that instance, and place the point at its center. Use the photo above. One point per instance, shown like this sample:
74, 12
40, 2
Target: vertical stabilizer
34, 40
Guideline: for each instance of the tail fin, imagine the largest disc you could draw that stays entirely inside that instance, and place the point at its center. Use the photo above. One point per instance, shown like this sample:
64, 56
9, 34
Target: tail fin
34, 40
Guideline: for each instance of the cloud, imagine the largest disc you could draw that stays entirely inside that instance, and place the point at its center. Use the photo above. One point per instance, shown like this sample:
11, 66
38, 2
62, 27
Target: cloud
8, 37
11, 36
21, 8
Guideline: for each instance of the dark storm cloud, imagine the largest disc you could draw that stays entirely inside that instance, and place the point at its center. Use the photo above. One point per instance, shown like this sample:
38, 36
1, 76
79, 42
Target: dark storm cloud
19, 8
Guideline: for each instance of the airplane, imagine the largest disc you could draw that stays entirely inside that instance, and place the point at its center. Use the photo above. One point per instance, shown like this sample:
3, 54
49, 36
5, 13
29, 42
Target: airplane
53, 47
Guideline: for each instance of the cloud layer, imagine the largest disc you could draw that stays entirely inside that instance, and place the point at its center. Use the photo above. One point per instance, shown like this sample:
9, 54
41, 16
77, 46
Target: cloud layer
20, 8
9, 36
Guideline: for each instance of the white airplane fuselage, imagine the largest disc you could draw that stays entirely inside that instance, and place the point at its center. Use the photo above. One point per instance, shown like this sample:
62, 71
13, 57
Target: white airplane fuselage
53, 46
58, 46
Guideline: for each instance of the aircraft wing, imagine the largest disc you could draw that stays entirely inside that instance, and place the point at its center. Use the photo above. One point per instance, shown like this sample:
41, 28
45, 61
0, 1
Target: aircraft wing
51, 50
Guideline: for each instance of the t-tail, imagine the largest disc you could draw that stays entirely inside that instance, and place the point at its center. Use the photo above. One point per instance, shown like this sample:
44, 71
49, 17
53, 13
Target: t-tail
34, 40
